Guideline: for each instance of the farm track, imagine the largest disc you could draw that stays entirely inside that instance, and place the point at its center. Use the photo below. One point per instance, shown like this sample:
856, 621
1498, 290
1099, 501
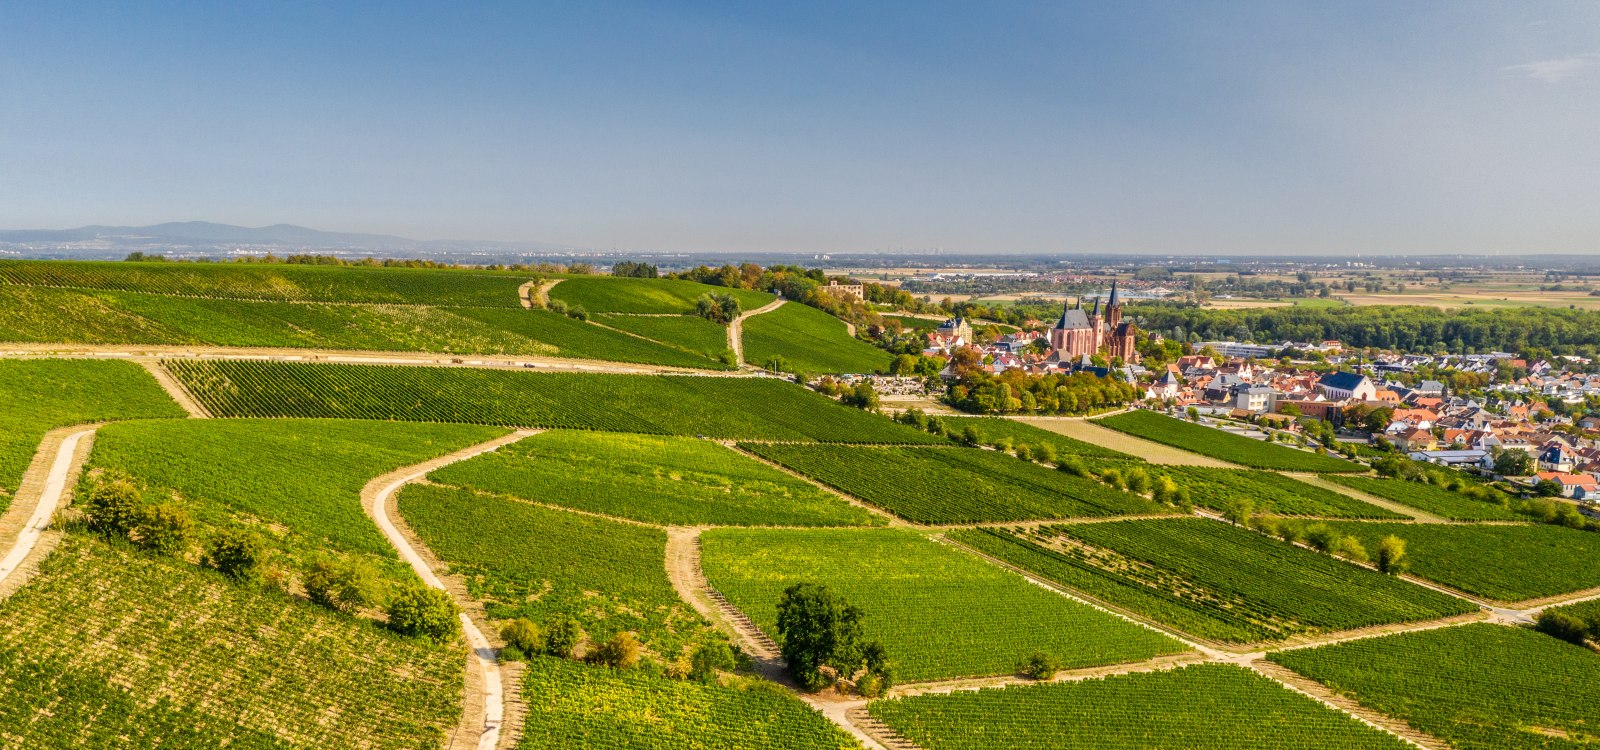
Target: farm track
175, 389
525, 295
1151, 451
541, 296
1420, 516
483, 716
25, 532
736, 329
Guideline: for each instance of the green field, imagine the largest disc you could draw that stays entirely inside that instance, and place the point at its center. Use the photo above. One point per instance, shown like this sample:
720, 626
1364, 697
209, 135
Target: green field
1205, 707
948, 485
940, 612
112, 648
606, 294
1436, 500
689, 332
524, 560
1479, 687
993, 429
575, 338
1208, 441
574, 707
718, 407
1503, 563
809, 341
1270, 493
287, 283
663, 480
41, 395
1588, 611
1213, 580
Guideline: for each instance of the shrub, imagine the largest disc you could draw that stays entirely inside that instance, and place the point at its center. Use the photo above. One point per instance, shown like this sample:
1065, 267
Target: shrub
621, 652
709, 659
1044, 453
522, 637
112, 507
1073, 466
1041, 666
235, 553
1138, 480
1320, 537
1238, 511
341, 585
420, 611
164, 528
563, 638
577, 312
1349, 548
1392, 555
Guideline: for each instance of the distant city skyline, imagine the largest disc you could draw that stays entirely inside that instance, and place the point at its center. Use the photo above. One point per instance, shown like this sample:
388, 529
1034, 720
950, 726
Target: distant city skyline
1240, 128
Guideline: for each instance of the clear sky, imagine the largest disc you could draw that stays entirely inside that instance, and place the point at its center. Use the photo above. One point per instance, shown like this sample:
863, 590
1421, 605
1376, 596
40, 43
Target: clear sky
1356, 126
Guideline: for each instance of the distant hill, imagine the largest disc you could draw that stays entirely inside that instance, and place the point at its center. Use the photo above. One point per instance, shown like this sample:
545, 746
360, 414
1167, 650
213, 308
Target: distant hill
204, 237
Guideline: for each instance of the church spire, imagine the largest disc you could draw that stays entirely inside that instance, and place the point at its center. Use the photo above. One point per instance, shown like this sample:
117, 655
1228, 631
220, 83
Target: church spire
1113, 302
1096, 312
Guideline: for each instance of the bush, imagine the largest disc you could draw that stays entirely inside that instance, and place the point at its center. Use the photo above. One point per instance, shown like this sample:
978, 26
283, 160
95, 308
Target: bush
1349, 548
709, 659
164, 528
341, 585
1041, 666
621, 652
420, 611
870, 686
1392, 555
563, 638
1320, 537
1562, 625
522, 637
577, 312
1238, 511
112, 507
1073, 466
236, 554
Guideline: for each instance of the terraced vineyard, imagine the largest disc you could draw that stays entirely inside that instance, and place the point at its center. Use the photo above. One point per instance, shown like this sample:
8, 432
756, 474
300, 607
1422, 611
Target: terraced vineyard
729, 408
1213, 580
1205, 707
1256, 454
574, 706
575, 338
954, 485
1479, 687
689, 332
605, 294
1503, 563
664, 480
41, 395
940, 612
810, 341
110, 648
1269, 492
1436, 500
993, 429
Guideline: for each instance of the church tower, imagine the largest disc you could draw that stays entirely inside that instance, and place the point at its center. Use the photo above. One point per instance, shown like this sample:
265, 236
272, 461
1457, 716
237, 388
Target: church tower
1113, 309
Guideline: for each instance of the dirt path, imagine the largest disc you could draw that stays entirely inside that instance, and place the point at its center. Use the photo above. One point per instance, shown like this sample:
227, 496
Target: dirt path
1421, 516
175, 389
525, 295
484, 710
541, 296
736, 329
25, 527
1149, 450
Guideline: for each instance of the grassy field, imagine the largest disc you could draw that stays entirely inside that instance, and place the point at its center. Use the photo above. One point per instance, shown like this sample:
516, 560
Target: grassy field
606, 294
41, 395
1504, 563
1213, 580
689, 332
1269, 492
809, 341
993, 429
727, 408
941, 613
523, 560
573, 707
663, 480
1226, 446
1436, 500
948, 485
113, 648
1205, 707
1479, 687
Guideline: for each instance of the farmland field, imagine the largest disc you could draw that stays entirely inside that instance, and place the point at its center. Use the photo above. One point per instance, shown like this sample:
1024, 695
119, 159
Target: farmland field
575, 338
1503, 563
1436, 500
992, 429
809, 341
1213, 580
948, 485
1588, 611
604, 294
940, 612
113, 648
1479, 687
1269, 492
41, 395
663, 480
690, 332
729, 408
572, 706
1256, 454
1205, 707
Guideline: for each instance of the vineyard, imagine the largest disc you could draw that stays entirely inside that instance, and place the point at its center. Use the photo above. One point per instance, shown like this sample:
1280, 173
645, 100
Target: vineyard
110, 648
691, 333
664, 480
285, 283
575, 338
523, 560
992, 430
1436, 500
1226, 446
41, 395
1204, 707
1503, 563
1479, 687
728, 408
1213, 580
1269, 492
940, 612
808, 340
645, 296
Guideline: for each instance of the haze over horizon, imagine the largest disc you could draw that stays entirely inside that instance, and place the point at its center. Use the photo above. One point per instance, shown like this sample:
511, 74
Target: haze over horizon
1245, 128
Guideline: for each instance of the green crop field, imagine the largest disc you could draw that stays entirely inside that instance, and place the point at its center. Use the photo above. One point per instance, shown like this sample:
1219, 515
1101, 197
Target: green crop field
809, 341
1436, 500
940, 612
1503, 563
41, 395
1213, 580
524, 560
288, 283
689, 332
113, 648
993, 429
954, 485
724, 408
1588, 611
664, 480
575, 338
605, 294
1204, 707
571, 707
1208, 441
1270, 493
1479, 687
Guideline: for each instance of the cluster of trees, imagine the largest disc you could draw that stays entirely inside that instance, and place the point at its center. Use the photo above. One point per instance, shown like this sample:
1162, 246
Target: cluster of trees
861, 395
560, 307
1568, 627
312, 259
721, 309
824, 644
1014, 391
634, 270
1390, 556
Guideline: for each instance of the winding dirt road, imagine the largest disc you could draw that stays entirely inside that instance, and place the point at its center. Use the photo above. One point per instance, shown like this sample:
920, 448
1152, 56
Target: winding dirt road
736, 329
26, 523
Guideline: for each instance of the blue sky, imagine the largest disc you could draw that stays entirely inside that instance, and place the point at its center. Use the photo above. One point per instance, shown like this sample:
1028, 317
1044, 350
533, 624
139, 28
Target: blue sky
1165, 127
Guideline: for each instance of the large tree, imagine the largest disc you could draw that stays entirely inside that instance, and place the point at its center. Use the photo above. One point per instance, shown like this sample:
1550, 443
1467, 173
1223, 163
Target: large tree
820, 630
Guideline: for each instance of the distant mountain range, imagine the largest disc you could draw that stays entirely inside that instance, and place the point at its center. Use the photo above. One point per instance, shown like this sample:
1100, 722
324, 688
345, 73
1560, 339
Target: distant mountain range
185, 238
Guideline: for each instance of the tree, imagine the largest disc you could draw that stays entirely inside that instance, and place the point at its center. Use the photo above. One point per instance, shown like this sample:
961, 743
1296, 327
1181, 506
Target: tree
717, 308
1563, 626
112, 507
1392, 555
235, 553
620, 652
1238, 511
164, 528
1512, 462
631, 269
1547, 488
1041, 666
564, 637
862, 396
425, 612
341, 585
820, 630
1193, 414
